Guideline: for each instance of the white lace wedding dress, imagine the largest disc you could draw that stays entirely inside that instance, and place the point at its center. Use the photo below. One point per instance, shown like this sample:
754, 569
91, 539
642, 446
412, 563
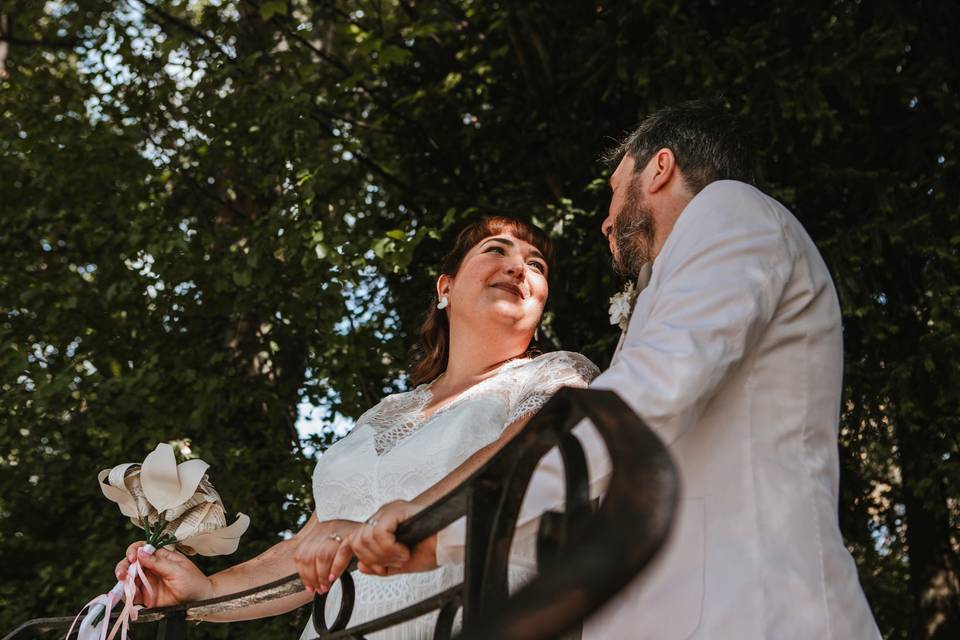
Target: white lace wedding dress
394, 453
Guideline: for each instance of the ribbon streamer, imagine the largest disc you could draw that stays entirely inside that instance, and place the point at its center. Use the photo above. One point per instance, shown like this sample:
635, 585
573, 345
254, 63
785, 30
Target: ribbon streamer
102, 605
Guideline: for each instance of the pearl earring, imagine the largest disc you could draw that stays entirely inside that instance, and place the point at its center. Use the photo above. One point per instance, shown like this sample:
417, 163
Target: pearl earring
536, 334
444, 301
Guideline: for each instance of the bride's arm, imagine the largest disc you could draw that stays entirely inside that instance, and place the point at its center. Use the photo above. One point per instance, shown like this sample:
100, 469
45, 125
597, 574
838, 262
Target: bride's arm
176, 579
277, 562
273, 564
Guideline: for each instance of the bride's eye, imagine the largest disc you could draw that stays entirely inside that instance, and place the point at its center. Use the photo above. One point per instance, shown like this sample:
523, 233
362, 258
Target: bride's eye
539, 266
496, 248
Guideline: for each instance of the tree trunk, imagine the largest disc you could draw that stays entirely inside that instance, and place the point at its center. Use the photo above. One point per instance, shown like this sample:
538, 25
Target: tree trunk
934, 583
4, 45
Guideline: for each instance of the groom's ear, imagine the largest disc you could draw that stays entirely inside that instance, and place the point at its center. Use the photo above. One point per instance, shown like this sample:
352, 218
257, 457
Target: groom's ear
663, 168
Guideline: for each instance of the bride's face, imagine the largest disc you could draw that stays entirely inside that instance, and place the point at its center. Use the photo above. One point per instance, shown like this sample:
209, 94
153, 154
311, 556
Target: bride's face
502, 279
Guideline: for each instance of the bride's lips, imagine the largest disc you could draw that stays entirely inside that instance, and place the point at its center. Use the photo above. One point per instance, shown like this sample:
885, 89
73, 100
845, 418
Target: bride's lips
509, 288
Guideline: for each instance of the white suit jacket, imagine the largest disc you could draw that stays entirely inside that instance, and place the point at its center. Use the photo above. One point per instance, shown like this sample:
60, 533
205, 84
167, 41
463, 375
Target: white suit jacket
734, 357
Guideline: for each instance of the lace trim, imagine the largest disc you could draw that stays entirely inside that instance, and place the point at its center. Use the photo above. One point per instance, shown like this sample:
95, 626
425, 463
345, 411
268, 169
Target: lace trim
399, 416
563, 369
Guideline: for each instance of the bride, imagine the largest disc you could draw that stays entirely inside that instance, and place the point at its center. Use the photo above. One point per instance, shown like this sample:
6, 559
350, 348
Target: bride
476, 380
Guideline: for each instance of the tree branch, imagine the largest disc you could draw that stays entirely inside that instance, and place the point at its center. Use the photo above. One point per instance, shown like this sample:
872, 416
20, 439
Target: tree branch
68, 43
7, 38
373, 166
4, 46
345, 70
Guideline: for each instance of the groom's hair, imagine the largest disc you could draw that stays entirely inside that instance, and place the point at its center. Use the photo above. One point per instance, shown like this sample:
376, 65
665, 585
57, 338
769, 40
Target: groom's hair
703, 135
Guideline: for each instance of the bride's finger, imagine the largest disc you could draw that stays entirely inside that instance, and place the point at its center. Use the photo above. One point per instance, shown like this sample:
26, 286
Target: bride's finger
385, 540
322, 564
120, 571
374, 545
372, 569
319, 572
341, 560
361, 544
132, 551
303, 560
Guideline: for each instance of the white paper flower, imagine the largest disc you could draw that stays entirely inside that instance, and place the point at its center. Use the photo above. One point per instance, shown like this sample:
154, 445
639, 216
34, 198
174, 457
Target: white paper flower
180, 497
621, 306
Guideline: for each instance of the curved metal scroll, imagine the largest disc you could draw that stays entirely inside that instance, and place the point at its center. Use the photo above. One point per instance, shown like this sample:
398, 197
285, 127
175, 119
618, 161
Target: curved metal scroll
610, 547
348, 593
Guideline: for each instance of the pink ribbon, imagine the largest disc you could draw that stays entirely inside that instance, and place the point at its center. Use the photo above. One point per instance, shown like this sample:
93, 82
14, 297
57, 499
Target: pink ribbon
100, 631
125, 590
130, 611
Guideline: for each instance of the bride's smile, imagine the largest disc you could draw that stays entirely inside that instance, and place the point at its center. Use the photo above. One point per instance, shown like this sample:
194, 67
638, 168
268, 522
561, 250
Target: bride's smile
510, 288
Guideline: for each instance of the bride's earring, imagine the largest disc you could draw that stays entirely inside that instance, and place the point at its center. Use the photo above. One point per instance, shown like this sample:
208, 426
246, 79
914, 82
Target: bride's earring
536, 334
444, 301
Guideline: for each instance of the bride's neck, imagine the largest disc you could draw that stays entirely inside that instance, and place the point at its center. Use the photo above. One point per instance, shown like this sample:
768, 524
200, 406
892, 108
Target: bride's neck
473, 357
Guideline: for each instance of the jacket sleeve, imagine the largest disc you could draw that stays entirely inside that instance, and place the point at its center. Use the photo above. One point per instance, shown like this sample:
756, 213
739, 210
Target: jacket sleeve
712, 304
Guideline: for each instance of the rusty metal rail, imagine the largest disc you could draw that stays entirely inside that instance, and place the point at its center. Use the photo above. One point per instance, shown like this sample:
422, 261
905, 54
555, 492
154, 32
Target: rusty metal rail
601, 549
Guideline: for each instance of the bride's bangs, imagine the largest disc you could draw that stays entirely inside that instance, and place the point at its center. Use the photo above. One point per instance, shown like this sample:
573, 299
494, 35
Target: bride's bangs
496, 225
527, 232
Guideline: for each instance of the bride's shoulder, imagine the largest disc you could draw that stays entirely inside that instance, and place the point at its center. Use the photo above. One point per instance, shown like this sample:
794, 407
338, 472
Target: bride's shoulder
542, 376
569, 362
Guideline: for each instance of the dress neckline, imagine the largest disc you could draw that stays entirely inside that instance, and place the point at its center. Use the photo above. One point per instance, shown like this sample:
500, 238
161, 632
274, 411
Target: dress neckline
402, 417
422, 419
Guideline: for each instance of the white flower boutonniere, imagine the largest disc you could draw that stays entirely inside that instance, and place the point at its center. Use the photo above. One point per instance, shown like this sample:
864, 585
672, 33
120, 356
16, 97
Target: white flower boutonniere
621, 306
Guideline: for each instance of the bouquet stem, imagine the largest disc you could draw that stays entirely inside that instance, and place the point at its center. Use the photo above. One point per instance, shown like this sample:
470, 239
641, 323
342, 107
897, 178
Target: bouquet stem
100, 610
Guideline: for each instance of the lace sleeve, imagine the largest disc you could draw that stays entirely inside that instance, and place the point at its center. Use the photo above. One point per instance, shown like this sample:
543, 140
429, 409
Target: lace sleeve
546, 375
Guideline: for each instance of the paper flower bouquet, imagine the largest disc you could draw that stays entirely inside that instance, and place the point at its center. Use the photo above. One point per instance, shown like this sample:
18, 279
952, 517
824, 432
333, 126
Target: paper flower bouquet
176, 506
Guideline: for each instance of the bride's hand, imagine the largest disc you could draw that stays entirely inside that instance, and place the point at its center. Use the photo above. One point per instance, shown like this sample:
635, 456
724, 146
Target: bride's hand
317, 545
376, 547
174, 578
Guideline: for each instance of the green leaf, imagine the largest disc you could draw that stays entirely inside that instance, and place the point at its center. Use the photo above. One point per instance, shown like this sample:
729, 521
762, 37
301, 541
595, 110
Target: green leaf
242, 278
271, 8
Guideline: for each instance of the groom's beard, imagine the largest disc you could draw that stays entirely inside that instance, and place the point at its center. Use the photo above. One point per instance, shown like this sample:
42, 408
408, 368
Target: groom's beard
633, 234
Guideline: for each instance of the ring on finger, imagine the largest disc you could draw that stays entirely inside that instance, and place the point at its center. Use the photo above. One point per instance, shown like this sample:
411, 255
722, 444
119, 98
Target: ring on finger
372, 521
336, 536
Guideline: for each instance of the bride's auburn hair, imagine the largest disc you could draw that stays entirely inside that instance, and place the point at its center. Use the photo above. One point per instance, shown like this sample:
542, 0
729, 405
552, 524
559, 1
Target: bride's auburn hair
429, 355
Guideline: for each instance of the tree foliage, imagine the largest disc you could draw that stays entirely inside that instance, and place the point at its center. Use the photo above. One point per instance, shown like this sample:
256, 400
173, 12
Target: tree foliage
215, 210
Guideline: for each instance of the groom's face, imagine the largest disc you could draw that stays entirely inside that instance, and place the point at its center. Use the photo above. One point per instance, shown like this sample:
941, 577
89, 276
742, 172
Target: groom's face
629, 226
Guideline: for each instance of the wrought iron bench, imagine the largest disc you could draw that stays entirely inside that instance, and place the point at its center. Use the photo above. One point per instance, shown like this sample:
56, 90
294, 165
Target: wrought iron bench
585, 556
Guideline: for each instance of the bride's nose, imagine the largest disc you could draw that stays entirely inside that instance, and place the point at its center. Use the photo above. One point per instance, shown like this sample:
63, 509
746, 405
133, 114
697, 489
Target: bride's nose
515, 268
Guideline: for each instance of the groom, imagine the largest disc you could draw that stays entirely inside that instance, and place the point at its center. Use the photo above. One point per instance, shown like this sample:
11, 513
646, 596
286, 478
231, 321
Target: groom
733, 356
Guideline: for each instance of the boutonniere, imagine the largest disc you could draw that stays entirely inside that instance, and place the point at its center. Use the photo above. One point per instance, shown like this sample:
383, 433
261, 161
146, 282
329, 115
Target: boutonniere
621, 306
